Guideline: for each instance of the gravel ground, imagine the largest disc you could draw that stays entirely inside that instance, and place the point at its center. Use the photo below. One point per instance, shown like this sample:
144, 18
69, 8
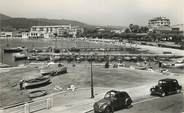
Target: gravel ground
78, 76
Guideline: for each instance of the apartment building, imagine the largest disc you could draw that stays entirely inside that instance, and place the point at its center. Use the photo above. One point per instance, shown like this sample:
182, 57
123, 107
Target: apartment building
159, 23
53, 31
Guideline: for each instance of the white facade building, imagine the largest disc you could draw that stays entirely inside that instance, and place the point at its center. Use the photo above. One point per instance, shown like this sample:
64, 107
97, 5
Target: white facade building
25, 35
159, 23
179, 27
52, 31
6, 34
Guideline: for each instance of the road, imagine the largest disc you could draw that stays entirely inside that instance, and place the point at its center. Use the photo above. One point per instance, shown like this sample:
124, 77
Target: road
168, 104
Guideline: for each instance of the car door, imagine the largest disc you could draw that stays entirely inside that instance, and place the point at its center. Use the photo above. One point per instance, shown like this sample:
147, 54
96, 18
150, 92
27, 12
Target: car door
175, 86
116, 101
172, 86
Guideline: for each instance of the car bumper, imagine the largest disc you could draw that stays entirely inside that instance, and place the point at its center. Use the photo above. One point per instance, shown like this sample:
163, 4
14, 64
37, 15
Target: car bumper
156, 93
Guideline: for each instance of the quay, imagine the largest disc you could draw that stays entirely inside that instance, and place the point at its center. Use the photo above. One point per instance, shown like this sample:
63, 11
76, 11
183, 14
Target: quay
110, 55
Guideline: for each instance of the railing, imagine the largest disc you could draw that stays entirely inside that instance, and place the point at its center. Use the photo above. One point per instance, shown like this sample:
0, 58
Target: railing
31, 107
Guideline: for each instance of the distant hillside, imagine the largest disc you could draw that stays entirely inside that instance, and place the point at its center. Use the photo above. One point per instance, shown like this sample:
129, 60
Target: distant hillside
11, 24
4, 17
24, 24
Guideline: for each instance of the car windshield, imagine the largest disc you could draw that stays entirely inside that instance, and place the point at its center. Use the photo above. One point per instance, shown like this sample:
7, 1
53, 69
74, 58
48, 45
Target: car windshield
161, 83
109, 95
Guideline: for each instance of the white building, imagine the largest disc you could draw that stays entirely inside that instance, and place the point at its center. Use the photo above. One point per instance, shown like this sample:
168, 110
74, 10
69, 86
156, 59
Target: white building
118, 31
25, 35
160, 23
178, 27
52, 31
6, 34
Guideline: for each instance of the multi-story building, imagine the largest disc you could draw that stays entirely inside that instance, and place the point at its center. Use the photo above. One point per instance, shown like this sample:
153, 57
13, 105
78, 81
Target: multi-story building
52, 31
6, 34
159, 23
178, 27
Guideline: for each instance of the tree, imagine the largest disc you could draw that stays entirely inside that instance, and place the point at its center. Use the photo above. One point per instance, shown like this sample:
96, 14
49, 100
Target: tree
127, 30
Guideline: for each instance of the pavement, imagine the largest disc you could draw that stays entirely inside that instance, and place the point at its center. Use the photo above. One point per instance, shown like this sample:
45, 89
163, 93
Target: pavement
61, 104
80, 101
169, 104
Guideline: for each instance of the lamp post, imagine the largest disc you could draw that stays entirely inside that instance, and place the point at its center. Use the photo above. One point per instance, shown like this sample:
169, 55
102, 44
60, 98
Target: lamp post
92, 89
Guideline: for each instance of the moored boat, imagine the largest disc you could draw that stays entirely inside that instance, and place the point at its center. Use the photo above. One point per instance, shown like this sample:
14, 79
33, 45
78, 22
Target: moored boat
13, 50
36, 81
19, 56
37, 93
42, 58
141, 67
53, 69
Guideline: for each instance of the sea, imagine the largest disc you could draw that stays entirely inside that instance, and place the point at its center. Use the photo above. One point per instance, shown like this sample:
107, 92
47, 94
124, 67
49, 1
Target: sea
7, 58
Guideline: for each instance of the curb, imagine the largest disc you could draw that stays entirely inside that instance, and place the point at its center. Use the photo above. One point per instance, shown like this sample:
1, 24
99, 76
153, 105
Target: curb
89, 111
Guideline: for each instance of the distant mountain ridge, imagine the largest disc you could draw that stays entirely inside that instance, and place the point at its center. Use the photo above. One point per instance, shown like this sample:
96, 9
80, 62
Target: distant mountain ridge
8, 23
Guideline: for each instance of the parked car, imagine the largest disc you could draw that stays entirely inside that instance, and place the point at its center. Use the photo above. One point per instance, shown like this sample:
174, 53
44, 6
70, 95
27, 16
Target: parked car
166, 87
112, 101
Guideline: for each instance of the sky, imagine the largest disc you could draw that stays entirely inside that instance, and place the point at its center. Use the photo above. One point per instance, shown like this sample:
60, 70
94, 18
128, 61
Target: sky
97, 12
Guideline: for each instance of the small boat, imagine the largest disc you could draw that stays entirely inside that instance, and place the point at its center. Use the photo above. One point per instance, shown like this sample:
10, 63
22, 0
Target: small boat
127, 58
37, 93
32, 57
56, 58
141, 67
178, 65
36, 81
42, 58
19, 56
53, 69
13, 50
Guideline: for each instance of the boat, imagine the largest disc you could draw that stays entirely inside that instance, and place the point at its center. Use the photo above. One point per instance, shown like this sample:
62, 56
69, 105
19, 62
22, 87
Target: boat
32, 57
177, 65
36, 81
19, 56
53, 69
37, 93
42, 58
141, 67
173, 65
56, 58
13, 50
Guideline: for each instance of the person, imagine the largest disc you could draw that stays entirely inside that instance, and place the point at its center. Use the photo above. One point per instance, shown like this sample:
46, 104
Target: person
159, 64
21, 84
107, 64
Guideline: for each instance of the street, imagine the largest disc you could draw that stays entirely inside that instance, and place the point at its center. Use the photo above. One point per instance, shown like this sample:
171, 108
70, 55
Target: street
152, 104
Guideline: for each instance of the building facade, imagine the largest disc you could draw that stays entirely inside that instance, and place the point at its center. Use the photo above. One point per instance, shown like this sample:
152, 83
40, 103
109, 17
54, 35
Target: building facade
53, 31
6, 34
159, 23
178, 27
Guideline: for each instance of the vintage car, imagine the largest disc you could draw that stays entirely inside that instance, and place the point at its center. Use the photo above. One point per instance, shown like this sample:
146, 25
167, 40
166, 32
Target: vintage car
166, 87
112, 101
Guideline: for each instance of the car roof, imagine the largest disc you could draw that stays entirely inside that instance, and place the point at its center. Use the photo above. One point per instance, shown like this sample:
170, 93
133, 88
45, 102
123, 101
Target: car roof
117, 91
168, 79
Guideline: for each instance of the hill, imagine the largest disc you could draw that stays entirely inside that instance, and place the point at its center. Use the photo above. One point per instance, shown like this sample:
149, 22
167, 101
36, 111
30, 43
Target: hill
24, 24
4, 17
10, 24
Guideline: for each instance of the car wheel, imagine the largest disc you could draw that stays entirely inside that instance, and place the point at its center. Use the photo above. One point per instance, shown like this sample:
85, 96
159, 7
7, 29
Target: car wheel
127, 102
178, 91
108, 109
163, 94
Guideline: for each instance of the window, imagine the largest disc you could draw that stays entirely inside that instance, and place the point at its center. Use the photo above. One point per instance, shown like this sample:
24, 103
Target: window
33, 29
110, 95
41, 29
